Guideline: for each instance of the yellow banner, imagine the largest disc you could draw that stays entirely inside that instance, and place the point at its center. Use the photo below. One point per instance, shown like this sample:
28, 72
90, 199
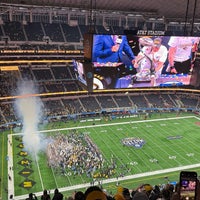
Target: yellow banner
9, 68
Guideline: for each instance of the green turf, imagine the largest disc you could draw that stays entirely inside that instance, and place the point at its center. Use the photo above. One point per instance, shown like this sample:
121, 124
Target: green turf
3, 165
169, 153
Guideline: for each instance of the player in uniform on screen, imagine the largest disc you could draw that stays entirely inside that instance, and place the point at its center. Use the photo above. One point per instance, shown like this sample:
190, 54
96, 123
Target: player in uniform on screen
180, 55
112, 49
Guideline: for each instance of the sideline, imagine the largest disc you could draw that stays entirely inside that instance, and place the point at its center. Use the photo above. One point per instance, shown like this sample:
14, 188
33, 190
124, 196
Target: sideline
2, 165
10, 167
111, 124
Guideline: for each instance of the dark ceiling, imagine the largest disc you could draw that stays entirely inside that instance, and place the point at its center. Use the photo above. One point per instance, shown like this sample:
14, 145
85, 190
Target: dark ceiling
162, 8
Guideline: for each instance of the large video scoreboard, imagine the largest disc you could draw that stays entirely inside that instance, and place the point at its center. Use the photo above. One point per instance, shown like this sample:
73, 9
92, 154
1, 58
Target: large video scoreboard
133, 61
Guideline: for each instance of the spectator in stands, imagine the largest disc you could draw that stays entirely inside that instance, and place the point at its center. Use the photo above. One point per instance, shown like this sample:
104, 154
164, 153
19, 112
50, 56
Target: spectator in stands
140, 195
45, 196
70, 198
122, 194
146, 191
112, 49
95, 192
126, 194
155, 193
31, 196
180, 54
57, 195
79, 195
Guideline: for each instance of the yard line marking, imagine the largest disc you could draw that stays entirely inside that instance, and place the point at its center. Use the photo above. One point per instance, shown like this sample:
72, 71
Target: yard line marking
54, 177
36, 160
119, 178
112, 180
112, 124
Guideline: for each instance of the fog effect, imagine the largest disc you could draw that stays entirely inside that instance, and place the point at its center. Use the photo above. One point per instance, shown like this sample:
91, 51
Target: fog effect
29, 110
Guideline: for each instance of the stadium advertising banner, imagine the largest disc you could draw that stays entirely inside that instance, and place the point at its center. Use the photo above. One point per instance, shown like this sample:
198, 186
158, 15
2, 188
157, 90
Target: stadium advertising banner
130, 61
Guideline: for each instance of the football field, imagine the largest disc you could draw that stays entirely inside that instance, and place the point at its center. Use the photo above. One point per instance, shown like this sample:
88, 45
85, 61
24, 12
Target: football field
136, 148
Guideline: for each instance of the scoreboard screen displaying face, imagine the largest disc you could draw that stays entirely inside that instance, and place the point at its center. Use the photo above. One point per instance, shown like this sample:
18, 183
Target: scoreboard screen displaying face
129, 61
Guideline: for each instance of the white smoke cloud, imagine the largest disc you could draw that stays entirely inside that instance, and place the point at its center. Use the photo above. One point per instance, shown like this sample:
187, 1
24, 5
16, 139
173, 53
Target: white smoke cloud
29, 110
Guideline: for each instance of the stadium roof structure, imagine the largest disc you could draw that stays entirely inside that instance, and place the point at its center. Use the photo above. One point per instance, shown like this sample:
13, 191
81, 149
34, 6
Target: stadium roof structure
171, 9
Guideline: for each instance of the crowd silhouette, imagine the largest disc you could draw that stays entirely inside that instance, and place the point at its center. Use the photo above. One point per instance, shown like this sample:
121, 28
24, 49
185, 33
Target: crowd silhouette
142, 192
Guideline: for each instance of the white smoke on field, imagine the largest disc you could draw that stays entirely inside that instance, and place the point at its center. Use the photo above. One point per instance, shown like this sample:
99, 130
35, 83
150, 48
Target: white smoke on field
29, 110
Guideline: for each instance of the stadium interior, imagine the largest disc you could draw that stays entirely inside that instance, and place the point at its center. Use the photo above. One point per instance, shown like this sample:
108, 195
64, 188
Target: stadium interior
39, 40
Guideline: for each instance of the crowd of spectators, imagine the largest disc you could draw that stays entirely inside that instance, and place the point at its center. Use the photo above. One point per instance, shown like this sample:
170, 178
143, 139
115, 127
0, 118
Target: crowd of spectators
53, 79
77, 107
97, 192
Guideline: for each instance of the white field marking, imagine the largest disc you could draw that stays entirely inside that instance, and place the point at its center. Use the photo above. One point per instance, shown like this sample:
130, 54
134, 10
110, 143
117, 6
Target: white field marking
112, 124
103, 131
54, 177
190, 154
149, 126
85, 185
10, 166
133, 163
172, 157
112, 180
39, 172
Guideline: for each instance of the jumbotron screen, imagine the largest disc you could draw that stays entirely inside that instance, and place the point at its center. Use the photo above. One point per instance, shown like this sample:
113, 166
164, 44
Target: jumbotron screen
129, 61
84, 74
